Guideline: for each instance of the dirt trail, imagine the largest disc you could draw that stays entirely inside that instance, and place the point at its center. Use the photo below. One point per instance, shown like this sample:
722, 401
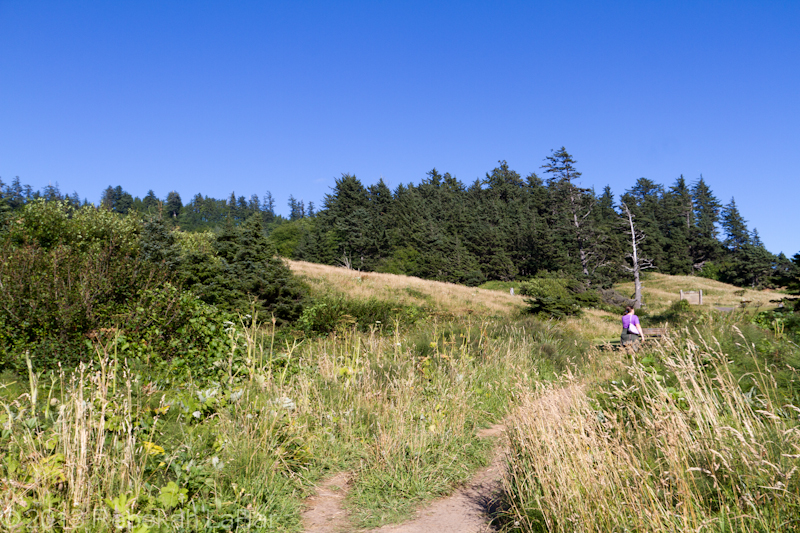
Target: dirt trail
324, 511
465, 511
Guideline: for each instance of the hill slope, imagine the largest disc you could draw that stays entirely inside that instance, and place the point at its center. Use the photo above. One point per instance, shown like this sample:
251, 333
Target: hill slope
661, 290
407, 290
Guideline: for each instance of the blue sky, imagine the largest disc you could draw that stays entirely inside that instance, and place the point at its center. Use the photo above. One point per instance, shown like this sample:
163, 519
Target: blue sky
215, 97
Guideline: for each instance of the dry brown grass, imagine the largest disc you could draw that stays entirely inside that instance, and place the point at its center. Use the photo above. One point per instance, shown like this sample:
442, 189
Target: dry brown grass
695, 456
661, 290
594, 324
407, 290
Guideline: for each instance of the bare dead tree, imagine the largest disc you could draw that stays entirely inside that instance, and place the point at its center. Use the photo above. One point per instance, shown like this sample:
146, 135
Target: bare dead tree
346, 262
578, 220
638, 263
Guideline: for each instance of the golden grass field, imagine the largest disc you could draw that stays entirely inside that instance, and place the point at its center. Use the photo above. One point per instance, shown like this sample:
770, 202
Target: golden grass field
407, 290
661, 290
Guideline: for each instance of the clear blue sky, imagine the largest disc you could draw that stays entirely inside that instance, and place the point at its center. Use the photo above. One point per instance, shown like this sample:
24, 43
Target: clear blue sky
215, 97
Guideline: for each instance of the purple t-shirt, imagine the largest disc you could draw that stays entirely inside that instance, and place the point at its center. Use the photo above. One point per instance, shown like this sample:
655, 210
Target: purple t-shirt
628, 319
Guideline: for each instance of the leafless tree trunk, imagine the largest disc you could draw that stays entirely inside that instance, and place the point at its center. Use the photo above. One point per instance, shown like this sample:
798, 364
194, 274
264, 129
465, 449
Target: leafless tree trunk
346, 262
638, 263
578, 219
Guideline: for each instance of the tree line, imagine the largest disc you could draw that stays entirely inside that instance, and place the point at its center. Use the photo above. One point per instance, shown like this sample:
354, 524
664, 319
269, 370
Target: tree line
501, 227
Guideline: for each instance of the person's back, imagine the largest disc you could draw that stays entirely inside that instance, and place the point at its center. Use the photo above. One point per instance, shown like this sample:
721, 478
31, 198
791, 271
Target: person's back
631, 328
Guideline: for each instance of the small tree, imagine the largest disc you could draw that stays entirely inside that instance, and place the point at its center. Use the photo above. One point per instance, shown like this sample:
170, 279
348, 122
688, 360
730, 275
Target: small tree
638, 263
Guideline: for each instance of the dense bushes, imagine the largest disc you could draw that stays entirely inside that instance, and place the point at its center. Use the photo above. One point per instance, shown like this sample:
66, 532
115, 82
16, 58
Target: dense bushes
334, 311
73, 276
66, 272
558, 297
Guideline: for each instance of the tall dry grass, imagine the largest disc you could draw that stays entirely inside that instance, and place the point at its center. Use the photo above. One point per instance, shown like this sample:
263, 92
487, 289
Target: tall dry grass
109, 448
681, 448
662, 290
64, 455
443, 297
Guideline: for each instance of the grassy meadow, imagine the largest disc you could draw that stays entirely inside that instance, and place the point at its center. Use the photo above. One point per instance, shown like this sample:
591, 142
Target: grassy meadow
663, 290
695, 432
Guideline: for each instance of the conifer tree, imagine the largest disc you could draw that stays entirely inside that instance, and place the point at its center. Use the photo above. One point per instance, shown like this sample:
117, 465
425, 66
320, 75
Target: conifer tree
250, 273
571, 206
735, 227
150, 201
174, 204
705, 245
676, 226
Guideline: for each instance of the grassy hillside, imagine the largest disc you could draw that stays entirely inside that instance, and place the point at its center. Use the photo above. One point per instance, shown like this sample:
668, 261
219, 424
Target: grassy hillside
405, 290
399, 409
662, 290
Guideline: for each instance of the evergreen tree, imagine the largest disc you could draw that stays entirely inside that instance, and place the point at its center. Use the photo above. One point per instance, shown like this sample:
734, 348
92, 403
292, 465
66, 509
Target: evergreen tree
571, 205
52, 193
150, 201
109, 198
174, 204
158, 244
676, 226
749, 266
15, 197
268, 207
347, 218
705, 245
250, 272
124, 203
254, 204
755, 238
793, 281
296, 209
647, 203
735, 227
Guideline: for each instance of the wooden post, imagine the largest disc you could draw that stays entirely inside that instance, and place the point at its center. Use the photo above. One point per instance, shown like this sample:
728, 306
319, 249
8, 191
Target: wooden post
701, 296
681, 294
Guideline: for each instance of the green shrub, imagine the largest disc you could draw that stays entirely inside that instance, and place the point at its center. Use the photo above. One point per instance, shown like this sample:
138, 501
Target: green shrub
558, 297
334, 311
169, 327
245, 272
54, 297
48, 224
781, 321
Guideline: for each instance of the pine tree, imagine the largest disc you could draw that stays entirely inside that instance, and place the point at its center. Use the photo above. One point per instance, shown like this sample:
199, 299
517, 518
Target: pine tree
574, 204
158, 244
705, 245
174, 204
150, 201
296, 209
268, 207
735, 227
676, 225
249, 273
109, 198
646, 201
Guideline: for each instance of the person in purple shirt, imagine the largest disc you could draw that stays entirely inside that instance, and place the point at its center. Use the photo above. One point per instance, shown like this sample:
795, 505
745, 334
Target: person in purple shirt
631, 329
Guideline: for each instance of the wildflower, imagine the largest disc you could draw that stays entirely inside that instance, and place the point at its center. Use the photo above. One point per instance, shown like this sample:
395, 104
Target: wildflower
152, 448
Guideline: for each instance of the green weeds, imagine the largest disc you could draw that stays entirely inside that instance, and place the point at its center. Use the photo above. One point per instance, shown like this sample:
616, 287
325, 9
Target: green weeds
120, 445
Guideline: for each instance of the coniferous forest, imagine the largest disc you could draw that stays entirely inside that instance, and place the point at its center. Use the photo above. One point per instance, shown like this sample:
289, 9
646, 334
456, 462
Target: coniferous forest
503, 227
